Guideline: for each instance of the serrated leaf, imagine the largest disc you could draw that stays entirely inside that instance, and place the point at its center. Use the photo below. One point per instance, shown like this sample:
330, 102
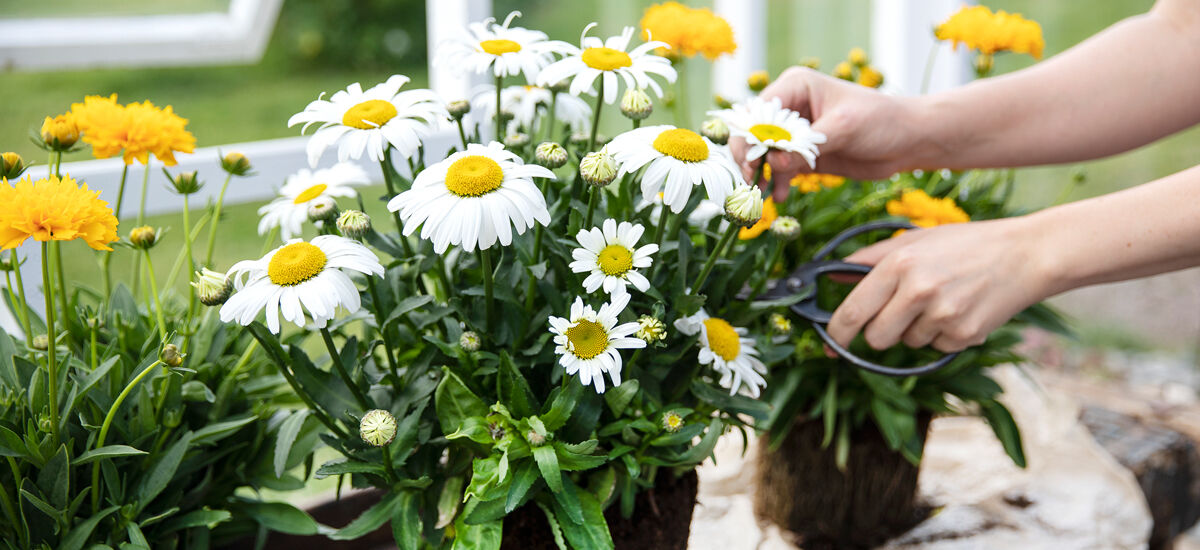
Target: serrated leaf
107, 451
455, 402
547, 461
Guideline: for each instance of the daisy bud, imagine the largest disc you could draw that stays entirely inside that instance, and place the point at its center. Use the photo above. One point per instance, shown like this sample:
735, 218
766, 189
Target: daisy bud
550, 154
583, 138
561, 86
469, 341
95, 323
844, 70
721, 102
786, 228
715, 130
811, 62
171, 356
744, 206
651, 330
535, 439
636, 105
236, 164
143, 237
185, 183
671, 421
212, 287
11, 166
758, 80
858, 57
983, 65
458, 108
45, 423
60, 132
377, 428
41, 342
780, 324
870, 77
354, 224
515, 140
598, 168
322, 209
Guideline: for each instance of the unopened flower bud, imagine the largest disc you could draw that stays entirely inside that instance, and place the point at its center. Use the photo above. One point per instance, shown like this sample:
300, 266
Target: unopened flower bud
377, 428
550, 154
11, 166
786, 228
212, 287
458, 108
45, 423
780, 324
869, 77
236, 164
41, 342
744, 206
535, 439
515, 140
172, 417
983, 64
636, 105
671, 421
469, 341
354, 224
60, 133
844, 70
95, 323
170, 355
858, 57
185, 183
598, 168
583, 138
561, 86
811, 62
322, 209
143, 237
758, 80
721, 102
651, 330
715, 130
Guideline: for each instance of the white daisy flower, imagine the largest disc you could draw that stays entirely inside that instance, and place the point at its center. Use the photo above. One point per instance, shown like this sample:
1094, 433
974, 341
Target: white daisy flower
607, 59
523, 102
487, 46
289, 210
767, 125
728, 350
678, 158
368, 122
611, 258
474, 198
300, 277
588, 341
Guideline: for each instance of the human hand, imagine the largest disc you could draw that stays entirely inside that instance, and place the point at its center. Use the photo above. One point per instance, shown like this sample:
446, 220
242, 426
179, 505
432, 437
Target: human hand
947, 286
870, 135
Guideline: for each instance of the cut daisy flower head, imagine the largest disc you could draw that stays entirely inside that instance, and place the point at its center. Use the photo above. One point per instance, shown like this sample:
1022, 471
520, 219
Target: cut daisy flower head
731, 354
289, 211
368, 121
767, 125
487, 46
523, 103
677, 159
473, 199
588, 342
606, 60
300, 277
610, 257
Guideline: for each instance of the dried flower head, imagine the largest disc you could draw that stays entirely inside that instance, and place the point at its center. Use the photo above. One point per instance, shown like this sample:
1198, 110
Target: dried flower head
322, 209
671, 421
651, 330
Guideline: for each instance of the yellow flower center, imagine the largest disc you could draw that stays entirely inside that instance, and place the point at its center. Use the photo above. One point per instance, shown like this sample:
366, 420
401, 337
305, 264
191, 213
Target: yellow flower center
587, 338
772, 132
310, 193
499, 47
606, 59
615, 260
673, 421
722, 339
295, 263
369, 114
682, 144
474, 176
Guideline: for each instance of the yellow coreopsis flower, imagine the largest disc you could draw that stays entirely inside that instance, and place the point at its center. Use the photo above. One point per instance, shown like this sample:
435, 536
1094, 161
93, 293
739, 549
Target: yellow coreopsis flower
60, 132
103, 123
55, 209
688, 30
156, 131
989, 32
769, 213
925, 211
811, 183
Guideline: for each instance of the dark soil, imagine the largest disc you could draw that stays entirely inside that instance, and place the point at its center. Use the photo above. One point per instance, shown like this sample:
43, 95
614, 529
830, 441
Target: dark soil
801, 489
662, 519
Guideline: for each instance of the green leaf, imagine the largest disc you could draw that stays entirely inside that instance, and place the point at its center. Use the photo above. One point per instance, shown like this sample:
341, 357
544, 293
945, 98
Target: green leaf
474, 428
1006, 430
286, 438
482, 536
406, 305
448, 501
162, 472
406, 523
213, 433
8, 371
513, 389
619, 397
79, 534
455, 402
197, 518
107, 451
547, 461
371, 520
11, 444
591, 530
562, 405
53, 479
697, 454
279, 516
684, 435
343, 466
736, 404
523, 479
829, 409
555, 528
841, 451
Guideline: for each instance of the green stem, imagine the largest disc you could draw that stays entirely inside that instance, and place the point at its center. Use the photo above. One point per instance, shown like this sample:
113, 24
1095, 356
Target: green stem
659, 231
107, 274
22, 529
23, 305
145, 184
323, 416
56, 159
379, 319
485, 261
212, 228
712, 259
680, 107
62, 280
187, 240
553, 117
596, 116
108, 418
462, 134
158, 309
499, 115
758, 286
51, 337
387, 464
341, 370
637, 123
386, 166
591, 207
269, 243
929, 63
92, 337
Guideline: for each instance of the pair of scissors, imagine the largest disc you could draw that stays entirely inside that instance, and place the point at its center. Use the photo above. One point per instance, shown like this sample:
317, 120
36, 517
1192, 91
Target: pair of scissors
804, 280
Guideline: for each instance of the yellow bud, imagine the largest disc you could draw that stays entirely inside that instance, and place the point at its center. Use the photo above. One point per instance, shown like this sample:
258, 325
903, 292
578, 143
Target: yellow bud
858, 57
236, 164
60, 133
811, 62
143, 237
171, 356
870, 77
844, 70
758, 80
11, 166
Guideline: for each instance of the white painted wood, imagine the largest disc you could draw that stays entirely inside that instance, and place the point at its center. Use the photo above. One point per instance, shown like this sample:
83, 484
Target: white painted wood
901, 41
446, 19
237, 36
748, 18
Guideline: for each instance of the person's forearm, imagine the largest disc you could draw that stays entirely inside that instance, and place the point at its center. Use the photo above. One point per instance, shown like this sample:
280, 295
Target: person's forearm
1127, 86
1146, 230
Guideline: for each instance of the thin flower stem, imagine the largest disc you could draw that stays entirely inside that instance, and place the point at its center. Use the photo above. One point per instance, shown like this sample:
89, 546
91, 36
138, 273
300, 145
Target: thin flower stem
158, 309
107, 261
212, 229
23, 305
18, 309
187, 240
499, 114
591, 208
712, 259
62, 280
485, 261
56, 159
387, 464
270, 240
341, 370
658, 237
379, 323
52, 360
145, 184
553, 117
681, 110
596, 116
761, 283
108, 419
929, 64
92, 337
20, 527
637, 123
462, 133
322, 415
385, 165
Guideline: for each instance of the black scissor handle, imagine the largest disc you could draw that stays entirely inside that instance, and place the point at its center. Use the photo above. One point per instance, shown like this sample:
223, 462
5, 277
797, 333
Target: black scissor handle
855, 231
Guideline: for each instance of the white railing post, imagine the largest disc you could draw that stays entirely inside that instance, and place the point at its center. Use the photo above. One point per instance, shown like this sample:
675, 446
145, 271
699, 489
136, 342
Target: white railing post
748, 18
445, 19
901, 42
